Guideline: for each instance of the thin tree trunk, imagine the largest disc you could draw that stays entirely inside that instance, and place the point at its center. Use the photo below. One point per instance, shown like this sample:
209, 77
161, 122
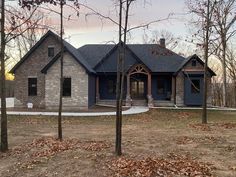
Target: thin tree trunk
4, 138
61, 77
206, 46
224, 72
118, 150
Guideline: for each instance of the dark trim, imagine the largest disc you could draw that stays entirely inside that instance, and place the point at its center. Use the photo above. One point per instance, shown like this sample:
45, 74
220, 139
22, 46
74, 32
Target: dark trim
199, 60
175, 90
32, 50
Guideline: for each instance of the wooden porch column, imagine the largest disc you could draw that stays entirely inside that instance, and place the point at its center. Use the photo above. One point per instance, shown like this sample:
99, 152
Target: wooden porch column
149, 94
173, 91
97, 89
128, 98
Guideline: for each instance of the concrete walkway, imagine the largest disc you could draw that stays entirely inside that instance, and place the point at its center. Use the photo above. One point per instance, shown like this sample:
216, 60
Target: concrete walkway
132, 110
197, 108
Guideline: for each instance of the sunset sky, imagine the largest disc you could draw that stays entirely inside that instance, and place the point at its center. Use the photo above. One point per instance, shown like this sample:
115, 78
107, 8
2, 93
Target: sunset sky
93, 30
80, 31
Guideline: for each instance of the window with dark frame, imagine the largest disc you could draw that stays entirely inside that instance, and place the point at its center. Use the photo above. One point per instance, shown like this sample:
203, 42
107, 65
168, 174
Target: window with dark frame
194, 62
195, 86
66, 87
111, 87
32, 86
50, 51
160, 86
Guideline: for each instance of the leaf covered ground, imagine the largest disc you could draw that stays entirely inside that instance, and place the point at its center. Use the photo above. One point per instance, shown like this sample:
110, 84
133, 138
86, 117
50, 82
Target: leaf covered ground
157, 143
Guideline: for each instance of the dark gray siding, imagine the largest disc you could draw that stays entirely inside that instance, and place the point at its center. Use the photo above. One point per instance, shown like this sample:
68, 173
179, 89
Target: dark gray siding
191, 98
91, 90
167, 86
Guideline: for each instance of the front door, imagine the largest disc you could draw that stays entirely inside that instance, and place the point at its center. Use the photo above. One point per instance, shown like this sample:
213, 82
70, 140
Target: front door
137, 89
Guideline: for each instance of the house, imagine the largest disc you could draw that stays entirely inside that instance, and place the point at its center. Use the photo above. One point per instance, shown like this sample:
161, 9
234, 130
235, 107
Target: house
155, 76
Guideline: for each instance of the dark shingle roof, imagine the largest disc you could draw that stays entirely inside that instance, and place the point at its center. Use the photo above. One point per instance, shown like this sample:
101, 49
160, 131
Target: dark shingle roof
103, 57
155, 57
95, 53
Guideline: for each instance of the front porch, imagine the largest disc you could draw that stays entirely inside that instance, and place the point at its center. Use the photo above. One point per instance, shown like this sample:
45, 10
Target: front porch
141, 88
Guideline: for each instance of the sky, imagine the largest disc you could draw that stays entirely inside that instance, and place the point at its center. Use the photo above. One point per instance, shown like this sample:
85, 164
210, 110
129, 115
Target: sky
90, 29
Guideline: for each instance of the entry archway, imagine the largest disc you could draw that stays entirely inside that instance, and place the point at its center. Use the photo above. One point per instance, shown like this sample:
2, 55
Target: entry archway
139, 85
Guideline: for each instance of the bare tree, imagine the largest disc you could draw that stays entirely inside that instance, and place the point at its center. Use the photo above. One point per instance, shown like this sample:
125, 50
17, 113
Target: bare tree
26, 35
4, 138
170, 40
29, 4
224, 20
231, 67
203, 9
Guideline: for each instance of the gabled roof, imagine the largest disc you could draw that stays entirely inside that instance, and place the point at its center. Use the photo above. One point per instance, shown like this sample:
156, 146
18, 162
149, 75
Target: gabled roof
31, 51
94, 53
153, 56
75, 54
68, 47
157, 58
187, 60
103, 57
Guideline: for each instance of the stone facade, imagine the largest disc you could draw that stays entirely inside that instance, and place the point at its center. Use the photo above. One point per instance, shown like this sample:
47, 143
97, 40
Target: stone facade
79, 84
180, 89
31, 67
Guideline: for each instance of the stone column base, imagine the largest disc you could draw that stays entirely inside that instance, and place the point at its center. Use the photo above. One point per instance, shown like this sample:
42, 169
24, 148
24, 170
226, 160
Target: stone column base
128, 101
150, 101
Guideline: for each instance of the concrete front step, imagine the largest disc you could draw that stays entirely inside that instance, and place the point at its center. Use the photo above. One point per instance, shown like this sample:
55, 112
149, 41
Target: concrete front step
139, 102
163, 103
158, 103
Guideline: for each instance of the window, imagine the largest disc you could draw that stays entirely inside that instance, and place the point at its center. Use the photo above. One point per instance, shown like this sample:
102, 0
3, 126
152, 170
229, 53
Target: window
32, 86
195, 86
50, 51
67, 87
194, 62
111, 87
160, 86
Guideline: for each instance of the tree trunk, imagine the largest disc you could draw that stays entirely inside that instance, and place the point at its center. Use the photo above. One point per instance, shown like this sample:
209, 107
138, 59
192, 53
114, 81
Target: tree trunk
206, 46
224, 72
61, 76
118, 150
4, 138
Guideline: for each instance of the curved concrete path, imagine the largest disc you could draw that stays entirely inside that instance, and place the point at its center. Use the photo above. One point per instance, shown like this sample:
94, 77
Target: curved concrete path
132, 110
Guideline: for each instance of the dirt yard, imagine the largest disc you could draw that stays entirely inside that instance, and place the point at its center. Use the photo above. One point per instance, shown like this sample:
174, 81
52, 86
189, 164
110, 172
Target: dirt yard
157, 143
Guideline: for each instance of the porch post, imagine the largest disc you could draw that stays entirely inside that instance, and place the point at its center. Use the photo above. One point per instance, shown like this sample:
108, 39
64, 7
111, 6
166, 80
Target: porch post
97, 89
149, 95
128, 98
173, 90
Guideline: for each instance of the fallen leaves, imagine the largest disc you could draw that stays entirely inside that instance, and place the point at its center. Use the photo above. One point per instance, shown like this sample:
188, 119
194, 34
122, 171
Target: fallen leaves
182, 140
147, 167
49, 146
40, 150
202, 127
211, 126
95, 145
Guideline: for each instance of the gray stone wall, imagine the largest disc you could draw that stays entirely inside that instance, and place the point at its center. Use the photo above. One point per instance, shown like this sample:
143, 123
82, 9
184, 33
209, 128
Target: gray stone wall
180, 89
79, 85
31, 67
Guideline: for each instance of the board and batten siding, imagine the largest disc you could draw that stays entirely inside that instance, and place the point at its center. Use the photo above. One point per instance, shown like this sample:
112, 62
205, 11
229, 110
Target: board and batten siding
79, 84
